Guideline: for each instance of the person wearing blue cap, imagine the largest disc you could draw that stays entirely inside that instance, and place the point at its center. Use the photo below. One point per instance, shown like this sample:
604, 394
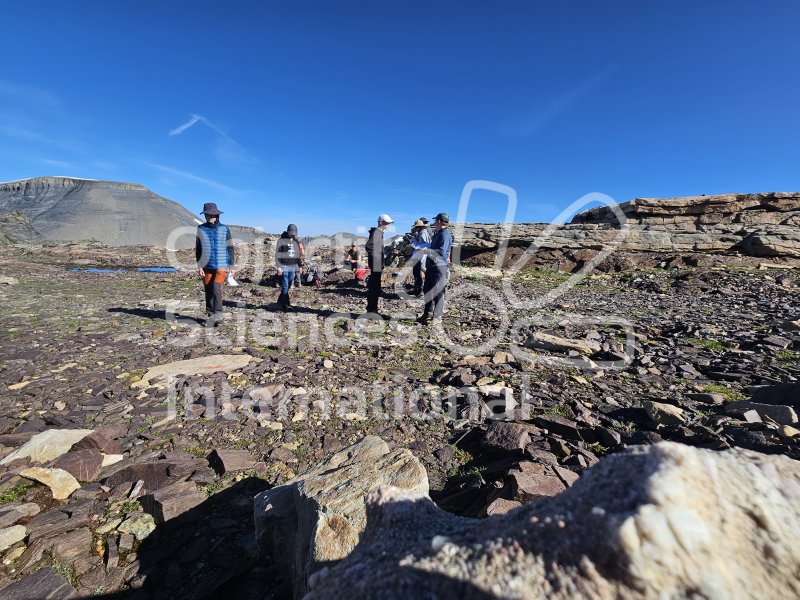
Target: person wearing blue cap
438, 267
215, 257
375, 260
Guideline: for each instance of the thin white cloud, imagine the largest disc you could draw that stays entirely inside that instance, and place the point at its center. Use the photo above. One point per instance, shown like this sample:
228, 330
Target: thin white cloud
532, 122
27, 135
228, 151
192, 177
28, 94
62, 164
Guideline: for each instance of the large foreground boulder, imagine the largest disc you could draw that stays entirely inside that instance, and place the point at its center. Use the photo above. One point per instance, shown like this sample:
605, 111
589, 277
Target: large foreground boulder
317, 518
662, 521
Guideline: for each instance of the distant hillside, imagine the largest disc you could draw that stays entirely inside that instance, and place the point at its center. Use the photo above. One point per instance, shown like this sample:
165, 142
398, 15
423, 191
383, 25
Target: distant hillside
114, 213
15, 228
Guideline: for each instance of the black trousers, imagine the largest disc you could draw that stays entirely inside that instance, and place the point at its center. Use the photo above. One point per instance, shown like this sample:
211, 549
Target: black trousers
417, 270
212, 285
373, 291
435, 283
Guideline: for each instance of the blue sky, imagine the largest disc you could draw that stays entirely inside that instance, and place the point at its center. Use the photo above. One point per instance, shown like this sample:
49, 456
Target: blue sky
326, 114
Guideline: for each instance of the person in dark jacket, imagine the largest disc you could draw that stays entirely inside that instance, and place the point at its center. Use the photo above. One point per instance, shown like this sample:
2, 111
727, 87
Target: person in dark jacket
375, 261
288, 258
438, 268
215, 258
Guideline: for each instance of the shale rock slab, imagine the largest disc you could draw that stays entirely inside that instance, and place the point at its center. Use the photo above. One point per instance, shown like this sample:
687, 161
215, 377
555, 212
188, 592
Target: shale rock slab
317, 518
47, 445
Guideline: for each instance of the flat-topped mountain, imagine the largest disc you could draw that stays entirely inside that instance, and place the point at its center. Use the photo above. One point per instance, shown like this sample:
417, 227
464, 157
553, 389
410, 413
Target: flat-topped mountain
111, 212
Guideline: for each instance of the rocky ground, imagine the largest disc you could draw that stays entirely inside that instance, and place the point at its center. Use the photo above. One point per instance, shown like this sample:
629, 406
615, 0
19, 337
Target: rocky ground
507, 403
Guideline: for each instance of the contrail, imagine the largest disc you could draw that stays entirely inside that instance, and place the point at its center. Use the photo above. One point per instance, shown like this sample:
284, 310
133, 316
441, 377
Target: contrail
180, 129
201, 119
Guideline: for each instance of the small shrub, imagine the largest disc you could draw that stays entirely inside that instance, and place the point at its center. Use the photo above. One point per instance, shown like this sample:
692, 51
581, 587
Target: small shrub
13, 494
718, 388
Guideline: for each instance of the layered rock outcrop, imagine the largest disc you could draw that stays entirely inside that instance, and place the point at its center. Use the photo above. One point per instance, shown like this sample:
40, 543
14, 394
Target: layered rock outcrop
762, 225
660, 521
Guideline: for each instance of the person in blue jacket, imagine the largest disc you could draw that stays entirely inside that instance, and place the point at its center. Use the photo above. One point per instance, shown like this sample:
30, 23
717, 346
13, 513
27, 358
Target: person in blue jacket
215, 257
438, 267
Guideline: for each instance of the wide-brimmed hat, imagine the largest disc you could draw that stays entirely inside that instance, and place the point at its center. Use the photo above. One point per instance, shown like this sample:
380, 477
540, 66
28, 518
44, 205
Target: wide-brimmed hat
419, 223
442, 218
210, 208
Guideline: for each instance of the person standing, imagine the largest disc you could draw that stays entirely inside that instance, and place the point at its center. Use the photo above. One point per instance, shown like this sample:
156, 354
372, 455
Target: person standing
215, 257
437, 270
288, 258
375, 260
421, 239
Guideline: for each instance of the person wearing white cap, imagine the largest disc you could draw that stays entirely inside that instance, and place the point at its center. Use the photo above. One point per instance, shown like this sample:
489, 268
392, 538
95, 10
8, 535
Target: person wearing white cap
374, 248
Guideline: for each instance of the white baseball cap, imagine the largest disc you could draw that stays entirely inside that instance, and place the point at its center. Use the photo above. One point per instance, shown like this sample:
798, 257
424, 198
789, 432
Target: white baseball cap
386, 218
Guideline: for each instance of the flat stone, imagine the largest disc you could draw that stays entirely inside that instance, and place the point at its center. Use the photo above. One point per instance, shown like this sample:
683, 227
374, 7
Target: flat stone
11, 535
501, 358
102, 440
70, 546
52, 523
777, 341
176, 500
707, 398
112, 556
789, 432
139, 525
126, 542
61, 483
153, 474
111, 459
12, 513
109, 526
783, 415
780, 393
663, 414
502, 437
541, 456
501, 506
205, 365
607, 437
46, 584
533, 481
226, 461
83, 465
47, 445
554, 343
559, 425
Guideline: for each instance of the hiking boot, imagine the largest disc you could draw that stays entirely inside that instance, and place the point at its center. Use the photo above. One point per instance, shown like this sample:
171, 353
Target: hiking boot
283, 302
424, 319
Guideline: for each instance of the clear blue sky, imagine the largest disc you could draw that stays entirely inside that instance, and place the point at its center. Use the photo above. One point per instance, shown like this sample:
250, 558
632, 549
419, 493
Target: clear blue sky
327, 113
